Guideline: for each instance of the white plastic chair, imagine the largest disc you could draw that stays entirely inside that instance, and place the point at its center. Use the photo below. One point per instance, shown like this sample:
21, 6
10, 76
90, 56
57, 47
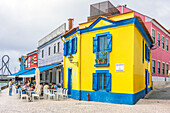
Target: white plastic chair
36, 95
50, 94
65, 95
24, 96
45, 92
59, 93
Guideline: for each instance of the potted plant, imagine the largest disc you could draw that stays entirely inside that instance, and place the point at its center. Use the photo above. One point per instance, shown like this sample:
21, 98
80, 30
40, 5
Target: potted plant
105, 60
101, 60
96, 60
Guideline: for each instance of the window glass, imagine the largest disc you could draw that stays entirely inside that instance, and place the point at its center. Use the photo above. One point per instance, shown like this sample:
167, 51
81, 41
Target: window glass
163, 40
158, 36
51, 77
73, 45
40, 76
49, 51
153, 35
153, 66
58, 50
167, 44
102, 43
42, 53
163, 68
102, 81
158, 67
54, 48
59, 73
167, 68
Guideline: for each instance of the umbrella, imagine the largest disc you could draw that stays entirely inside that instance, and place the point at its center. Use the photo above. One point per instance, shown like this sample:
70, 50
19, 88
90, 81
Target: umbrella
37, 79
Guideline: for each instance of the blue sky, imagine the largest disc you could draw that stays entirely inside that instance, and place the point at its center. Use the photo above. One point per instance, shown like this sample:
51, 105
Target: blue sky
24, 22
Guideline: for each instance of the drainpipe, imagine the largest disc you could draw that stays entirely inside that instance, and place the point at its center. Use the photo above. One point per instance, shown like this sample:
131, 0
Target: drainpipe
79, 62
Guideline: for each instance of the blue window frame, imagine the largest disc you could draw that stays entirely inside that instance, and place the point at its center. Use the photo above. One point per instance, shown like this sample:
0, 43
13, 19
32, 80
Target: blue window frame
102, 80
70, 46
67, 48
147, 53
73, 45
102, 45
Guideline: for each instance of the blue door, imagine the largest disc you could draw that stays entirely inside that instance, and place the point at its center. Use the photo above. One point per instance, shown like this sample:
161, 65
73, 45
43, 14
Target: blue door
69, 80
146, 79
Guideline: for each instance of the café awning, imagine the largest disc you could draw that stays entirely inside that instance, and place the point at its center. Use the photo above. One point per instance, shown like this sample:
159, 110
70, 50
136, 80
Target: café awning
31, 73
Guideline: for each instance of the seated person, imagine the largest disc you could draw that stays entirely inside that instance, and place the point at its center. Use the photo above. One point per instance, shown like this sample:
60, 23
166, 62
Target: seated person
16, 88
55, 87
24, 88
28, 83
52, 86
19, 89
31, 89
46, 86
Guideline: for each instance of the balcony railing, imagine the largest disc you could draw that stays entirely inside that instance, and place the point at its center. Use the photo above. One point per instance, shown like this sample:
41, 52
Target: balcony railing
102, 58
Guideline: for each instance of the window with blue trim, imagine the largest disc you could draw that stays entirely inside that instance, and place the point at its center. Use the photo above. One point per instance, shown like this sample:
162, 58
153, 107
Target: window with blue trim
67, 48
102, 81
147, 53
73, 46
102, 45
70, 46
148, 78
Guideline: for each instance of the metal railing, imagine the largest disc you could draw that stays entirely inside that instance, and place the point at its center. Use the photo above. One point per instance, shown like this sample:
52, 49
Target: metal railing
102, 57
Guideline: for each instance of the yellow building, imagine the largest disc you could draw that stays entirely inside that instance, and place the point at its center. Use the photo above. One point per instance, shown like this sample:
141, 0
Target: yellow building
108, 59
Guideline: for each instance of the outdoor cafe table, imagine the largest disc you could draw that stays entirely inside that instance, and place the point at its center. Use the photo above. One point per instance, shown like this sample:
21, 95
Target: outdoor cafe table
53, 91
29, 93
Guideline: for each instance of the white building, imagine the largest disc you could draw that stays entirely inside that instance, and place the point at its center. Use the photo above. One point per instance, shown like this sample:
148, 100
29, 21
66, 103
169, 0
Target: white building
51, 52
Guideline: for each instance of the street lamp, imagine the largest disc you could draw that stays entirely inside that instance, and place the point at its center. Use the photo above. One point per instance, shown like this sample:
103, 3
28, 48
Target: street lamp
71, 59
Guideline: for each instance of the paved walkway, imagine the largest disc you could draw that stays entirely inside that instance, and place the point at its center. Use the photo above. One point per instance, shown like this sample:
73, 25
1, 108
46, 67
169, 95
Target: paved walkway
158, 102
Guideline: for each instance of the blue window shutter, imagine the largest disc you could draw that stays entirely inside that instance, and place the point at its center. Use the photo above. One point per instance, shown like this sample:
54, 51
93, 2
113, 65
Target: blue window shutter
108, 81
148, 54
65, 49
75, 51
143, 52
109, 42
95, 81
148, 78
95, 44
70, 47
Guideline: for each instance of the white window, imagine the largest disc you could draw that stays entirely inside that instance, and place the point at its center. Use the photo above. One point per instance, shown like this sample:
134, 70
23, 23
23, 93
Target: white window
58, 47
54, 48
49, 51
158, 39
153, 35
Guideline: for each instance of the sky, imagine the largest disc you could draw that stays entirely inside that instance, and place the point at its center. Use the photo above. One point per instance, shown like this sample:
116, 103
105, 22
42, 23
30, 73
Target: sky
24, 22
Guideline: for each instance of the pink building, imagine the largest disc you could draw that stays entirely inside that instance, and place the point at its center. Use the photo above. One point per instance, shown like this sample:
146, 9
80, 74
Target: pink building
161, 49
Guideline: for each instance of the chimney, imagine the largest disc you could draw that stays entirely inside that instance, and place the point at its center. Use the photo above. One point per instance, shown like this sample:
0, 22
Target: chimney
70, 23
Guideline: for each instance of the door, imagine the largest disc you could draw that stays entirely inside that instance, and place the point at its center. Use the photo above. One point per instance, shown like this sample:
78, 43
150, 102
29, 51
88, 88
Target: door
69, 80
146, 79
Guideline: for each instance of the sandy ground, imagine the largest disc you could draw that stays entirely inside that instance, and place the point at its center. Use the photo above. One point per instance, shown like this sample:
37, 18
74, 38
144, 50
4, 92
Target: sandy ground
158, 101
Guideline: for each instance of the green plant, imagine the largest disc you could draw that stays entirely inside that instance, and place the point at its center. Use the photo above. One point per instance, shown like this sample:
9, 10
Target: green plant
96, 60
